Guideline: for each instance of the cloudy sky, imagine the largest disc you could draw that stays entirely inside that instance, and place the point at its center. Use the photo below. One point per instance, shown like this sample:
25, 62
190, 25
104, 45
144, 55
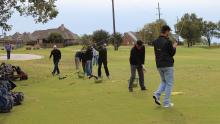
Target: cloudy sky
85, 16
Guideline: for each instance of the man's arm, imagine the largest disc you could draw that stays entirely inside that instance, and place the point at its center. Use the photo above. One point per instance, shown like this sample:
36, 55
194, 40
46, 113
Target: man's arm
131, 54
172, 48
60, 55
143, 57
51, 54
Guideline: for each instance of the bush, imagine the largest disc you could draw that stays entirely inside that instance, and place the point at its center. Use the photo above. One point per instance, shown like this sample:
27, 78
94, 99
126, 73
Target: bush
54, 38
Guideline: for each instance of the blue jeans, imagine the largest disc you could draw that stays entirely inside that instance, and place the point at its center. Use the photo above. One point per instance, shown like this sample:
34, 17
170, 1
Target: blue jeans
167, 76
89, 68
95, 60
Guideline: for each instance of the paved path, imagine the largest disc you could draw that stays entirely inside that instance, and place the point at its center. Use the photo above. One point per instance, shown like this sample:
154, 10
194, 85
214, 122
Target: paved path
21, 57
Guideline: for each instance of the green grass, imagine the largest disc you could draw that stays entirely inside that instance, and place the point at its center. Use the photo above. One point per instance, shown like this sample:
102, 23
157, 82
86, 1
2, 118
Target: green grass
77, 101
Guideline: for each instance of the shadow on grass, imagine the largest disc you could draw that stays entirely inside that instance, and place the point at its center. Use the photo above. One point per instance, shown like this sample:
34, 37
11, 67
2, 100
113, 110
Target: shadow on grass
172, 115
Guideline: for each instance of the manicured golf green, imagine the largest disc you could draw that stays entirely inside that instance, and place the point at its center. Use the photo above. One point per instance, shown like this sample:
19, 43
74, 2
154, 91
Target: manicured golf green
82, 101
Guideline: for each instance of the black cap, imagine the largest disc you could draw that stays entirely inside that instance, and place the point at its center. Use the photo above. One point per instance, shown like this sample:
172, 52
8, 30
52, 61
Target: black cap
140, 43
165, 28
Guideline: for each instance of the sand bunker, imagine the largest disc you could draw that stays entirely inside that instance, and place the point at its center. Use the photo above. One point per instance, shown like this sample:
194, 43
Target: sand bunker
21, 57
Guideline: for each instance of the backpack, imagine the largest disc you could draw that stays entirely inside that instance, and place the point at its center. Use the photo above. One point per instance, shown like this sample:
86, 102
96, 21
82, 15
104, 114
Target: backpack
18, 98
22, 74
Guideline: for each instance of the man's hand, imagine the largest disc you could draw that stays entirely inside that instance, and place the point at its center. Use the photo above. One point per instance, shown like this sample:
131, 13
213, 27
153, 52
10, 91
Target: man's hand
175, 44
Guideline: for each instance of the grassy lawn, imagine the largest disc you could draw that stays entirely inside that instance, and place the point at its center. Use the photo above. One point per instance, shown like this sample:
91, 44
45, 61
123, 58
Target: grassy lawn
77, 101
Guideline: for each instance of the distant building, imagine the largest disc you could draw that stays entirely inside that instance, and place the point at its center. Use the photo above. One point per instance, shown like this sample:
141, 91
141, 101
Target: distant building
15, 40
130, 38
69, 37
37, 37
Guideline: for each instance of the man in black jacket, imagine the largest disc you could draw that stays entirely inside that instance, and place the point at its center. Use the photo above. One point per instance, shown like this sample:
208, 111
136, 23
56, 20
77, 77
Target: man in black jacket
103, 59
164, 52
78, 60
56, 59
137, 60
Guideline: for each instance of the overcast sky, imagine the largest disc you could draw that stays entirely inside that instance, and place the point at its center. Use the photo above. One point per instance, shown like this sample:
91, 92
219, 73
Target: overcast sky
85, 16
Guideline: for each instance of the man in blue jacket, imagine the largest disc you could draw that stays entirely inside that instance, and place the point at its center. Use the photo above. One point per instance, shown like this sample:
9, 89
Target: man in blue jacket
8, 48
164, 53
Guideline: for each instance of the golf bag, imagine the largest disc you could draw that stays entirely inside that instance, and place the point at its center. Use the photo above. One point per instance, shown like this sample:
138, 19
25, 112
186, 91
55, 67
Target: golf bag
7, 98
6, 101
18, 98
7, 84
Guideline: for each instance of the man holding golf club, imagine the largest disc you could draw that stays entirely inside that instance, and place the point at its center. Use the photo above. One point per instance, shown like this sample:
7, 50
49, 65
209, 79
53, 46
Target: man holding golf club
137, 60
56, 53
164, 52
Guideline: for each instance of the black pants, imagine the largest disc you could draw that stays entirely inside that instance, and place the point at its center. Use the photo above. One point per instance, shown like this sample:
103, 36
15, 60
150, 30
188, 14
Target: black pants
133, 75
56, 67
8, 55
104, 62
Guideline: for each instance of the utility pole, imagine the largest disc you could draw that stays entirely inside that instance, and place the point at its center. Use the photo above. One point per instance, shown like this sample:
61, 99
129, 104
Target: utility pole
176, 31
159, 15
114, 27
159, 11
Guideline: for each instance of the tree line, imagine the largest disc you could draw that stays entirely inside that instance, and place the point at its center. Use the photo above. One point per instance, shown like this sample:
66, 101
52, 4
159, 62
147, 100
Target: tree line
191, 28
100, 37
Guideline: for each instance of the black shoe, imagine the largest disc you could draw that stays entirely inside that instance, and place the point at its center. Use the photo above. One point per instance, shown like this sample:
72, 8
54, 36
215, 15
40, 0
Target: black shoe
90, 76
157, 101
130, 90
96, 77
143, 89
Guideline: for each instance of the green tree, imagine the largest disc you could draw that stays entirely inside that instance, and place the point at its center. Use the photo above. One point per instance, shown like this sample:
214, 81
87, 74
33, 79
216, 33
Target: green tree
116, 37
41, 10
190, 28
86, 40
100, 36
151, 31
218, 30
55, 38
209, 31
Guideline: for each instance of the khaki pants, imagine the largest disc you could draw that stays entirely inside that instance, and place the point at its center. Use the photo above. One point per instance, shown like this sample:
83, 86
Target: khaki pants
77, 63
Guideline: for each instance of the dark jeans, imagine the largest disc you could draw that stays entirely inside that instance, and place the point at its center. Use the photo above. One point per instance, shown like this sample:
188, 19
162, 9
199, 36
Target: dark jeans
89, 68
133, 75
100, 62
84, 66
56, 67
8, 54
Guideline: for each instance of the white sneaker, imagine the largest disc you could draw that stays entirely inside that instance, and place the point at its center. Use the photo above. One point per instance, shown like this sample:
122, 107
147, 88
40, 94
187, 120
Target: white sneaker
169, 105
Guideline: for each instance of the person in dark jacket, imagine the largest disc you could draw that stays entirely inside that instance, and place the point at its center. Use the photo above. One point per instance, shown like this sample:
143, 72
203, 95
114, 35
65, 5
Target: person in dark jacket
88, 57
56, 53
103, 60
78, 60
137, 60
164, 52
84, 61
